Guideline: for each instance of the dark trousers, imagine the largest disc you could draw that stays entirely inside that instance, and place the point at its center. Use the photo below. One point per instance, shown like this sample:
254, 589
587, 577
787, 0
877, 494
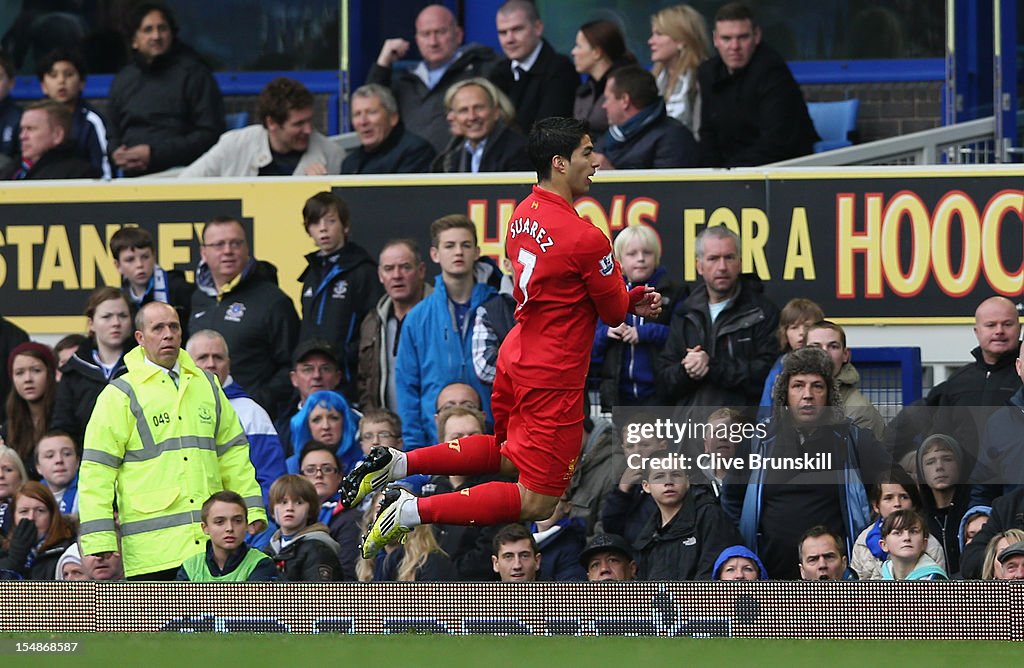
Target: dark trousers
156, 576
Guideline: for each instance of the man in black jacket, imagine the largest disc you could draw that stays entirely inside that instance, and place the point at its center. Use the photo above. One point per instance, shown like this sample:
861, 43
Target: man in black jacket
752, 110
720, 346
165, 108
482, 142
47, 151
420, 91
539, 81
386, 146
239, 298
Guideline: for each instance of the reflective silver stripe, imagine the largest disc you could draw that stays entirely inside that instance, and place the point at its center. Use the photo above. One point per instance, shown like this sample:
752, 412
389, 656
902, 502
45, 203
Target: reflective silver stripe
157, 523
99, 457
145, 435
171, 444
236, 441
216, 403
253, 501
96, 526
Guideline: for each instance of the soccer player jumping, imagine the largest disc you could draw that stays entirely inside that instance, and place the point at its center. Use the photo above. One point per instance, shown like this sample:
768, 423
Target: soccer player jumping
565, 279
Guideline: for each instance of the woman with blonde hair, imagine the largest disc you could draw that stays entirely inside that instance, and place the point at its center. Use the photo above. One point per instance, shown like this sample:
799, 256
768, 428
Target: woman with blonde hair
12, 474
418, 559
679, 43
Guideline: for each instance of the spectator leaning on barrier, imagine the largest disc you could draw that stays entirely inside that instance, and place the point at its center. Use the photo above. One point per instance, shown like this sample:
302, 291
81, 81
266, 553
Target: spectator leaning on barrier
238, 296
47, 149
210, 352
402, 272
164, 108
420, 90
339, 285
163, 400
283, 143
386, 146
641, 135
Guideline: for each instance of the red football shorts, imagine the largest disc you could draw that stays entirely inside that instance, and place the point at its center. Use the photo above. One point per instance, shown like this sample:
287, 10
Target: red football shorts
542, 430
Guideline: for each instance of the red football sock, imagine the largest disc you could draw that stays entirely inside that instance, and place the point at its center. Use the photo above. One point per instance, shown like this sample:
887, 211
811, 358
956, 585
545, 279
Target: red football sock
471, 455
483, 505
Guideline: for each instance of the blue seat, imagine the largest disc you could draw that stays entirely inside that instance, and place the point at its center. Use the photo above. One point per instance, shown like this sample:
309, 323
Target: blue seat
834, 122
241, 119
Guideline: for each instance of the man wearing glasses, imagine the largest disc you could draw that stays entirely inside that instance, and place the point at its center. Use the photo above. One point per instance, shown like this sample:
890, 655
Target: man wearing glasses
239, 298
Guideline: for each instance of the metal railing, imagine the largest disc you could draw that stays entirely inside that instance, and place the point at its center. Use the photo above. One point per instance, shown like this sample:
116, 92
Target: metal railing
970, 143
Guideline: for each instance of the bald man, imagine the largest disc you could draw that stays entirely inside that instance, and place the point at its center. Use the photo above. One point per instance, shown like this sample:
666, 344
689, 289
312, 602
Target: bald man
420, 90
973, 392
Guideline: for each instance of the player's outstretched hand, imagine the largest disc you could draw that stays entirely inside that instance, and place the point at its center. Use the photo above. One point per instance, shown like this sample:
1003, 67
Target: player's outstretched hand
645, 301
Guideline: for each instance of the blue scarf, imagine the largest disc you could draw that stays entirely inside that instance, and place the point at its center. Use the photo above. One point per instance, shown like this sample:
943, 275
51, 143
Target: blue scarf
874, 536
620, 134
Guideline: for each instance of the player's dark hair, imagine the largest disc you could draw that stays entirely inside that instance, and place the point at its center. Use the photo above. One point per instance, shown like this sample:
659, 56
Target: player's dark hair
47, 62
554, 136
128, 238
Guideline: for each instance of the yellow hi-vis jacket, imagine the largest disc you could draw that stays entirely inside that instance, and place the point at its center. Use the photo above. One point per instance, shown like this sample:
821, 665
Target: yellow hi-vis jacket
160, 452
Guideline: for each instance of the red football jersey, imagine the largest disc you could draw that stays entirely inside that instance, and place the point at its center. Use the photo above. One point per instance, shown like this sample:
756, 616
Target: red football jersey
565, 278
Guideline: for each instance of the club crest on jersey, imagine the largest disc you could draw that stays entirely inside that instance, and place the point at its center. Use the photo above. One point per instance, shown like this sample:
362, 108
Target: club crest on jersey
235, 312
340, 290
607, 265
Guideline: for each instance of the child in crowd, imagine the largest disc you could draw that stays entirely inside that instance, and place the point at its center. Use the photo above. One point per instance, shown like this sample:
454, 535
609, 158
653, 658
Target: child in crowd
40, 536
339, 285
227, 558
794, 319
625, 508
142, 279
12, 474
57, 461
739, 563
717, 442
302, 547
904, 538
626, 355
944, 497
62, 78
684, 538
896, 491
10, 113
974, 519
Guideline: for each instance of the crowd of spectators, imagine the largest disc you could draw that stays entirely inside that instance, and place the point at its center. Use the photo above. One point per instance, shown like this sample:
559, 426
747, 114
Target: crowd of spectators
379, 357
461, 108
